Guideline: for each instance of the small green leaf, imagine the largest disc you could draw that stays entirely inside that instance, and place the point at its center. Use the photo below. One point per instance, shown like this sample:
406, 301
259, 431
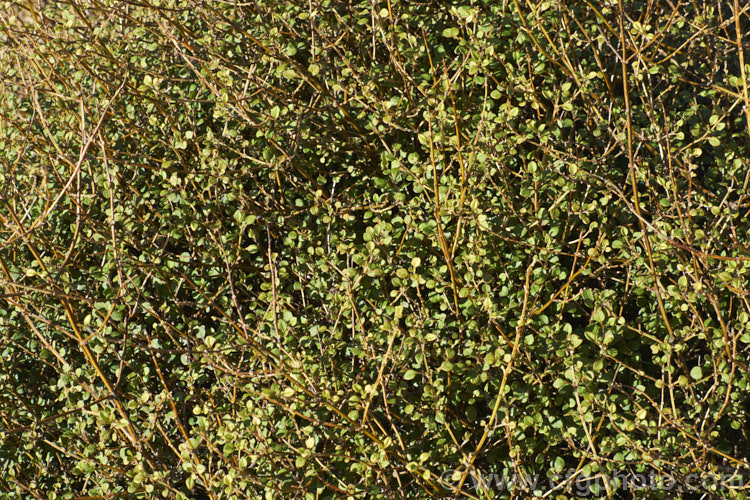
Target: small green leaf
450, 32
446, 366
599, 316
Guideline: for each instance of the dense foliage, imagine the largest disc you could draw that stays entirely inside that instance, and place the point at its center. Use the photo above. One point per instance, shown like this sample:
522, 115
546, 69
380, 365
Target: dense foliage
331, 249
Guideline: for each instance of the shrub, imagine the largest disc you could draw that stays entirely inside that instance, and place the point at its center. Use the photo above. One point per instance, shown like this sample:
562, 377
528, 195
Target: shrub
372, 250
